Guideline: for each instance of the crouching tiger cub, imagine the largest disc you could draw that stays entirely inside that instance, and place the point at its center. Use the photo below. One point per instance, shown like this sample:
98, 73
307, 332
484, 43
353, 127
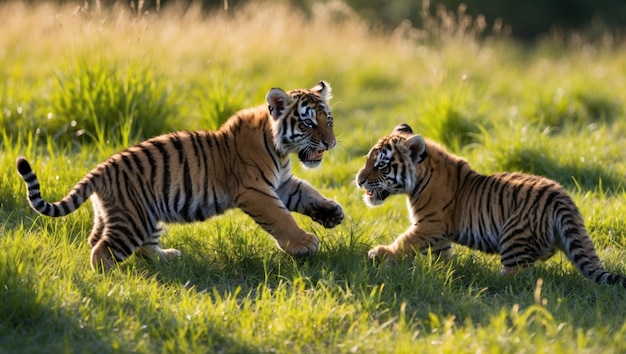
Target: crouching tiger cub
523, 218
191, 176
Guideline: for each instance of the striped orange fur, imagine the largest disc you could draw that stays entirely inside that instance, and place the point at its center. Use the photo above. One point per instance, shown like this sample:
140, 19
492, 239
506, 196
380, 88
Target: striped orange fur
521, 217
191, 176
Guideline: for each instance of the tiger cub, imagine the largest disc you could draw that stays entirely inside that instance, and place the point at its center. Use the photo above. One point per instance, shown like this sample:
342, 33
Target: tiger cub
191, 176
523, 218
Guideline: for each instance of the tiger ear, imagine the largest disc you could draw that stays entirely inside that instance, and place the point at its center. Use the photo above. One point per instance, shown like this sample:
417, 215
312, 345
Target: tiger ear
417, 148
324, 90
277, 100
403, 128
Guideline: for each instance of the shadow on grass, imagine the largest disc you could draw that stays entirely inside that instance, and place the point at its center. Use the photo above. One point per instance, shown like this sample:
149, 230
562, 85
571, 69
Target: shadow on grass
422, 291
246, 262
163, 324
470, 288
30, 311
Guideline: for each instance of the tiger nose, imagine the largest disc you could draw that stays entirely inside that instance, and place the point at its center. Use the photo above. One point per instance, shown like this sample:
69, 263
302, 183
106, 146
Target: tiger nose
329, 145
360, 180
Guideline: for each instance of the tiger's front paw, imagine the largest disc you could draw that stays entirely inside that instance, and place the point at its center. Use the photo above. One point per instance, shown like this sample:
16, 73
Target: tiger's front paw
306, 244
383, 252
327, 212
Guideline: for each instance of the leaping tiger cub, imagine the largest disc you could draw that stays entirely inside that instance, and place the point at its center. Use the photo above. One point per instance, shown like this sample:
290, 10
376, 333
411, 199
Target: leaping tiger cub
523, 218
191, 176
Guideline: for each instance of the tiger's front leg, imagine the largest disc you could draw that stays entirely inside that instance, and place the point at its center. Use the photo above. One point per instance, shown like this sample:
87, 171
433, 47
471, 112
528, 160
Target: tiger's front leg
301, 197
269, 212
415, 239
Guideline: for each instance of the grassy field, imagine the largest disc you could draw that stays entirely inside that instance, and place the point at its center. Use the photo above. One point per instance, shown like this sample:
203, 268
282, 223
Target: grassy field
78, 84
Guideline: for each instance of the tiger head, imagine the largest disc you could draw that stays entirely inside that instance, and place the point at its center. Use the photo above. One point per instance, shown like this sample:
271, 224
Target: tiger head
392, 165
302, 122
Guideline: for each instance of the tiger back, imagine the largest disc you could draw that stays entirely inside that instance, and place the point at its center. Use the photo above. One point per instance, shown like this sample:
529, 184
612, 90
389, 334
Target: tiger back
191, 176
521, 217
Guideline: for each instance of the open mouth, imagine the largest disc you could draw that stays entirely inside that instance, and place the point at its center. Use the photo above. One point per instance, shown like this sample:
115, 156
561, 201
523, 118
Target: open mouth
380, 196
311, 156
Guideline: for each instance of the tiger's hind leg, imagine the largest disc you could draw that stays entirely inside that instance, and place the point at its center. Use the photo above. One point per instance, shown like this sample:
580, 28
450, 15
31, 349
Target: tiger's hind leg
120, 236
151, 250
112, 247
514, 262
98, 228
98, 221
101, 257
519, 248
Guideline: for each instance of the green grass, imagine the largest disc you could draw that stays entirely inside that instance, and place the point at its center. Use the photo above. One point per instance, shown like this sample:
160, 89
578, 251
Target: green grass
552, 109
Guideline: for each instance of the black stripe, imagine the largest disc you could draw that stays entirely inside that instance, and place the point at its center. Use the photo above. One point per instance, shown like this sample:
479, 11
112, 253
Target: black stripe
115, 249
127, 162
40, 204
269, 147
119, 178
167, 178
226, 153
208, 140
138, 206
512, 232
197, 148
482, 193
189, 195
258, 191
30, 178
178, 145
493, 222
124, 233
148, 201
152, 164
502, 206
297, 192
424, 183
525, 197
545, 211
217, 206
36, 196
207, 161
459, 167
425, 204
75, 200
116, 242
177, 197
267, 181
64, 207
137, 161
199, 214
202, 160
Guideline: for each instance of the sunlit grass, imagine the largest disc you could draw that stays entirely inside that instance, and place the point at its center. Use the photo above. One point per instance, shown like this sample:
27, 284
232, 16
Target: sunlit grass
100, 102
554, 109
